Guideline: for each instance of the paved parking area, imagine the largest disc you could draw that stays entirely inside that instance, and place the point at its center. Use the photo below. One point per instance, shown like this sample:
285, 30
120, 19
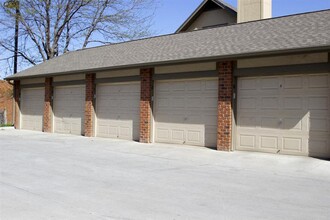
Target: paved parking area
50, 176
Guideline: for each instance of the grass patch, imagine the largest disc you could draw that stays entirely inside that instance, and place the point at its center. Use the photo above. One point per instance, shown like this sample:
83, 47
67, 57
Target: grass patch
6, 125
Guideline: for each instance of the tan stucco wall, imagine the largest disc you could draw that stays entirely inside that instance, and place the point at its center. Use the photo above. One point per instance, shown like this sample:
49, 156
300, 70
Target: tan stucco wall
195, 67
68, 78
118, 73
32, 81
252, 10
283, 60
213, 17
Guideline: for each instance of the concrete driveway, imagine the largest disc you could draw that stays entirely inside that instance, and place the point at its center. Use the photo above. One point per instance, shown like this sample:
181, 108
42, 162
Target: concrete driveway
50, 176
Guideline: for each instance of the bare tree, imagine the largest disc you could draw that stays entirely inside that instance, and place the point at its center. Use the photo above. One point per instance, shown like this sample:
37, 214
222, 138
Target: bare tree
49, 28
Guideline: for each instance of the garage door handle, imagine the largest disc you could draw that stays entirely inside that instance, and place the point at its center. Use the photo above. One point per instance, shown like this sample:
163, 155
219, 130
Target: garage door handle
185, 119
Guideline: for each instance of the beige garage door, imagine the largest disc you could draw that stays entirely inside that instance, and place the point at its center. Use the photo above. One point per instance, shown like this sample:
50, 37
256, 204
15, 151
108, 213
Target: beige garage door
118, 110
186, 112
32, 108
284, 114
69, 109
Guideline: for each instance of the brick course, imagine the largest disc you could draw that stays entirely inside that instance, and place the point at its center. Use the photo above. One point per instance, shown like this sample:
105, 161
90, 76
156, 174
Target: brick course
17, 95
225, 70
89, 105
48, 105
145, 104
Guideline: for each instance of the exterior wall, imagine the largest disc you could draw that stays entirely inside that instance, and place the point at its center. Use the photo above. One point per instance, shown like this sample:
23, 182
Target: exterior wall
89, 105
17, 95
225, 119
195, 67
69, 78
146, 104
212, 18
6, 100
48, 108
32, 81
252, 10
225, 106
118, 73
283, 60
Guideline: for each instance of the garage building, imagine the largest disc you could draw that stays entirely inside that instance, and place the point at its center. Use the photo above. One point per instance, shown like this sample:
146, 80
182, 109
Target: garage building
254, 86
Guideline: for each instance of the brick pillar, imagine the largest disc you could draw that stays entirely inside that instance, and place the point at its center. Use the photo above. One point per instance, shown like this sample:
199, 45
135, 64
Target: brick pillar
224, 141
89, 105
145, 104
48, 105
17, 95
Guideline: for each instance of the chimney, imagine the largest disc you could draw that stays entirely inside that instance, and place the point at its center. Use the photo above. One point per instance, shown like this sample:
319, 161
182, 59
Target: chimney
252, 10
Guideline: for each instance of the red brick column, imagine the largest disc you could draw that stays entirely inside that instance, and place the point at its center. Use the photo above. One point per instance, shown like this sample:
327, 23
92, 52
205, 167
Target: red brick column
89, 105
17, 95
224, 142
48, 105
145, 104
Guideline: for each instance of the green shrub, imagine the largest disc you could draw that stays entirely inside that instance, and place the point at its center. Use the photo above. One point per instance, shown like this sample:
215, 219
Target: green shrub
6, 125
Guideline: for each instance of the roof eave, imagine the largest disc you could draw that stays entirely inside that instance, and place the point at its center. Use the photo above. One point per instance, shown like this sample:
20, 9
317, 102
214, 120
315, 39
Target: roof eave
181, 61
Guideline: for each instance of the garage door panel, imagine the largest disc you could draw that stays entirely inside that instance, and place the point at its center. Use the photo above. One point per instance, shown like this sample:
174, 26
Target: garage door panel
293, 103
293, 82
125, 132
293, 124
247, 122
270, 123
319, 146
247, 103
194, 102
319, 81
195, 137
208, 120
69, 109
177, 103
270, 103
186, 112
210, 136
211, 85
247, 84
117, 110
208, 103
169, 118
178, 86
298, 115
178, 135
247, 141
194, 86
318, 103
269, 142
32, 108
270, 83
292, 144
163, 133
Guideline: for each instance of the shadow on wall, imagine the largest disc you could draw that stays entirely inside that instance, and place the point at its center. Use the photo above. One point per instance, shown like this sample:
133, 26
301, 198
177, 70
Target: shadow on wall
290, 114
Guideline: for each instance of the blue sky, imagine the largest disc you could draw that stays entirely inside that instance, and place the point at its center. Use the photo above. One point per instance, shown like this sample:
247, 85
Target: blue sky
172, 13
